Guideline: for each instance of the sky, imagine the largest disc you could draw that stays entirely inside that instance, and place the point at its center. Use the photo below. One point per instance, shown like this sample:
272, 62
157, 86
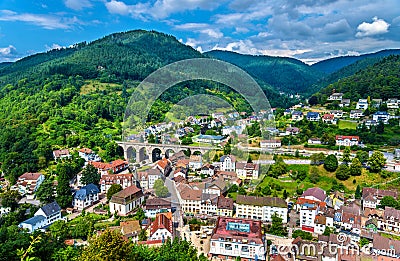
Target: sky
308, 30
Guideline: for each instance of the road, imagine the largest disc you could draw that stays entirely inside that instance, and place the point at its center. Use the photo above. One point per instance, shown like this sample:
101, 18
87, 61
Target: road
177, 217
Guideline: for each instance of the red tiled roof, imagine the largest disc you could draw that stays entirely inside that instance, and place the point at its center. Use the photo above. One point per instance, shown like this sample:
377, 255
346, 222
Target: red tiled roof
59, 153
252, 235
163, 163
161, 221
86, 151
30, 176
341, 137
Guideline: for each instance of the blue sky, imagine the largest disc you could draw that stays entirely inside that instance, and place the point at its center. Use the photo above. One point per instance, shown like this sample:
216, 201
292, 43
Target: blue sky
309, 30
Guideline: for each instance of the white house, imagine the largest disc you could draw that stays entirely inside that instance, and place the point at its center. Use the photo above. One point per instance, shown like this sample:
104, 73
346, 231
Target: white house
86, 196
297, 115
44, 217
246, 170
313, 116
195, 162
125, 201
228, 163
335, 97
356, 114
88, 155
155, 206
125, 180
161, 228
362, 104
392, 103
61, 154
337, 113
260, 208
269, 144
28, 183
208, 170
347, 140
382, 116
314, 141
148, 178
237, 238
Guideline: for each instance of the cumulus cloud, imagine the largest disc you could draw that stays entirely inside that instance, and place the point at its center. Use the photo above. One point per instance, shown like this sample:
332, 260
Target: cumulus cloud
54, 46
119, 7
378, 26
8, 54
77, 4
45, 21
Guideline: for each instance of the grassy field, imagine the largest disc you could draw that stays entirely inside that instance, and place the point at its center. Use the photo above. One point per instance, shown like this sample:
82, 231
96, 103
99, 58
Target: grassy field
347, 125
92, 86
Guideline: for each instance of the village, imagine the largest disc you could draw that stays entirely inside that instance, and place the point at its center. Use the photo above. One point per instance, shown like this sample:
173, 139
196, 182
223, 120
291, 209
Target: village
220, 201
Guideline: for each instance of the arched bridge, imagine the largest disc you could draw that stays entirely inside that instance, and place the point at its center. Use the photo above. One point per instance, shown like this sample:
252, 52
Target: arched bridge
139, 151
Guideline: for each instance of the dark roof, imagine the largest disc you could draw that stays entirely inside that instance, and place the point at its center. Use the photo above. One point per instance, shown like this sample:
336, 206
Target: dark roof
34, 220
315, 192
261, 201
51, 208
225, 203
89, 189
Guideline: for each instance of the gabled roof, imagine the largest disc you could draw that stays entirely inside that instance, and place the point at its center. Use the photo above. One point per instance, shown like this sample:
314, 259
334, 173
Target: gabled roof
315, 192
261, 201
59, 153
233, 158
51, 208
132, 190
163, 163
34, 220
89, 189
86, 150
130, 227
225, 203
161, 221
30, 176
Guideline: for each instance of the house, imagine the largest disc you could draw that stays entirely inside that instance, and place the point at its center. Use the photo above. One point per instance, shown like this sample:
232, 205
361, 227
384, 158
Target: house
313, 116
362, 104
371, 197
314, 141
347, 140
217, 187
148, 178
382, 116
309, 209
270, 144
130, 229
228, 163
292, 131
208, 170
86, 196
345, 103
189, 198
161, 228
392, 103
113, 167
246, 170
335, 97
237, 238
44, 217
155, 206
329, 119
195, 162
297, 115
287, 112
126, 200
164, 165
315, 194
369, 123
125, 180
180, 172
356, 114
28, 183
225, 206
260, 208
88, 155
208, 205
391, 220
337, 113
209, 139
385, 246
61, 154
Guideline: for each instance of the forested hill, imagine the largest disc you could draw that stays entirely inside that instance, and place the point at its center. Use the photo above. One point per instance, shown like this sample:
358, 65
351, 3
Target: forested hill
335, 64
285, 74
381, 80
129, 55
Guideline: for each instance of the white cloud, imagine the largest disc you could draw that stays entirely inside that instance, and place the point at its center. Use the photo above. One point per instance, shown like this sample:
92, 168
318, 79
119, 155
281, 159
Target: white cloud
212, 33
119, 7
378, 26
8, 51
46, 21
54, 46
77, 4
191, 26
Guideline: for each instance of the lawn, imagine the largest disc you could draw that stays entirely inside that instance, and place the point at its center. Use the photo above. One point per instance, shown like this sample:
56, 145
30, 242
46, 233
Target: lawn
343, 124
92, 86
